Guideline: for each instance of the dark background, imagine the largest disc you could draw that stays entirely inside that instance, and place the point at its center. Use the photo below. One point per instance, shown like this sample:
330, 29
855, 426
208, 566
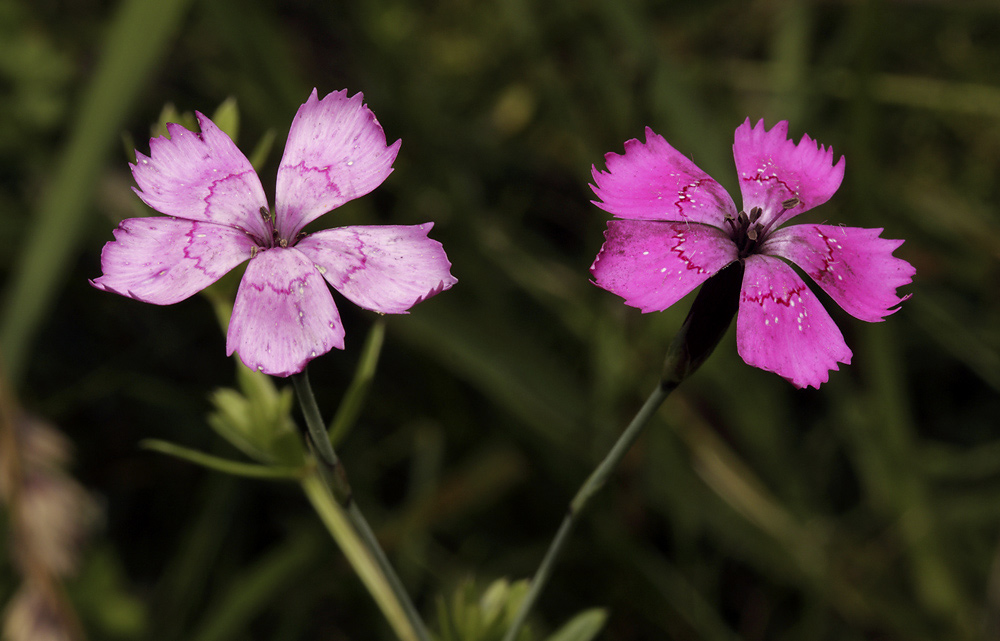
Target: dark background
868, 509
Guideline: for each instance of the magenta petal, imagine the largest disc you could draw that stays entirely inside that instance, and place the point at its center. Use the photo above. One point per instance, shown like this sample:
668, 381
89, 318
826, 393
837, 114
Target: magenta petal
653, 181
335, 152
653, 264
783, 328
164, 260
284, 314
853, 265
201, 177
774, 170
387, 268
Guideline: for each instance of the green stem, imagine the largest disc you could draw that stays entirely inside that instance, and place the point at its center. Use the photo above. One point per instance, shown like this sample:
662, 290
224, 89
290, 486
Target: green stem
358, 554
710, 316
338, 485
591, 486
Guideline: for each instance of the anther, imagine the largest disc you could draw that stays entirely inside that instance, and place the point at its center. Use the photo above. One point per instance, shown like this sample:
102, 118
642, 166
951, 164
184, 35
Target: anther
791, 202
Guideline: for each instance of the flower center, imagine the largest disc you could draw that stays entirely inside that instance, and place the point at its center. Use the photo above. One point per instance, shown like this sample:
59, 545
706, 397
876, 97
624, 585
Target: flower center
272, 239
745, 231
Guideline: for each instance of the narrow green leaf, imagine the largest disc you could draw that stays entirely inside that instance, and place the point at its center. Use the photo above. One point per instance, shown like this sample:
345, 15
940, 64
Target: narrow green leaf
354, 398
136, 39
219, 464
582, 627
227, 118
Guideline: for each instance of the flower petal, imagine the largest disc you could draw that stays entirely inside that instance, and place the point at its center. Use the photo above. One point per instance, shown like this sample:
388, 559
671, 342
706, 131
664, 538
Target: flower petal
774, 170
201, 176
335, 152
384, 268
783, 328
853, 265
654, 181
654, 264
164, 260
284, 314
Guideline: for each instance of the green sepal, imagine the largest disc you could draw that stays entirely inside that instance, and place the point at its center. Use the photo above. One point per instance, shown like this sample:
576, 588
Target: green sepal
583, 627
483, 618
220, 464
256, 419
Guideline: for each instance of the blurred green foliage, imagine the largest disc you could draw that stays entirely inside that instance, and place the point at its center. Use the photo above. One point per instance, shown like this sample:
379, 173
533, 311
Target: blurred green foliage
867, 509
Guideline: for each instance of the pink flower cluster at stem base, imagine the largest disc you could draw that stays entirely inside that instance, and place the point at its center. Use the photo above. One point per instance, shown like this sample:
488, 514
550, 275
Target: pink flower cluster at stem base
217, 217
679, 227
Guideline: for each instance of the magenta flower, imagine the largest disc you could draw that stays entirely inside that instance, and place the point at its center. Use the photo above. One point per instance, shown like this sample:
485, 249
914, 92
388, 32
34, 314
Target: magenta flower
217, 217
681, 227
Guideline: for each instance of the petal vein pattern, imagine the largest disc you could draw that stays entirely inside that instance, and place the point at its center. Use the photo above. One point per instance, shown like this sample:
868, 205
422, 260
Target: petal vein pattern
385, 268
653, 264
773, 170
336, 152
165, 260
853, 265
201, 177
782, 327
284, 315
654, 181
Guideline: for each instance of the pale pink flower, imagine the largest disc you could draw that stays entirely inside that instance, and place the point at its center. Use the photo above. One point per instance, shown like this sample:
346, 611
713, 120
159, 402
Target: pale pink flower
218, 217
681, 227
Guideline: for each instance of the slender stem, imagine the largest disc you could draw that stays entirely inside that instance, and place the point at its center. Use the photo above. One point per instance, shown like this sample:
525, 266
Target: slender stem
340, 488
710, 316
591, 486
358, 554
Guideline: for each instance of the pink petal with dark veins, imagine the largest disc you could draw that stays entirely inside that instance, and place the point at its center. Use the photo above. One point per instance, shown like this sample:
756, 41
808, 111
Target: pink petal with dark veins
654, 181
386, 268
782, 327
284, 315
201, 176
653, 264
164, 260
853, 265
774, 170
335, 152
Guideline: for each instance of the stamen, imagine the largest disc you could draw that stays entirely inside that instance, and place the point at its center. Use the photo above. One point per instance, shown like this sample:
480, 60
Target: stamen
755, 213
791, 202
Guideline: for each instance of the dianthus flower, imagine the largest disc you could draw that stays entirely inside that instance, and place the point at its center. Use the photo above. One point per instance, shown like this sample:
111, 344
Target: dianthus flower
680, 227
218, 217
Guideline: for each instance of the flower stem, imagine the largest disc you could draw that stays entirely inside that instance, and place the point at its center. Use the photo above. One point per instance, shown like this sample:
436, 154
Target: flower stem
394, 599
711, 314
336, 521
591, 486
